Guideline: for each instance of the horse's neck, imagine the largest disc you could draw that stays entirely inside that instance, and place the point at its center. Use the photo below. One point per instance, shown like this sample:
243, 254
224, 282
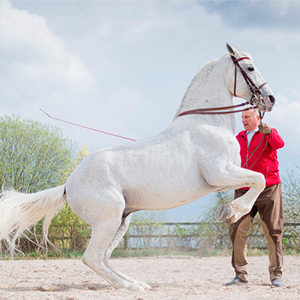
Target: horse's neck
208, 89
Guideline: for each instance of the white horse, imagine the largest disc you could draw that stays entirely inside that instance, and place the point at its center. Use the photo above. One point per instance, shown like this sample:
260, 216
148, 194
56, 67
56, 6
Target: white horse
196, 155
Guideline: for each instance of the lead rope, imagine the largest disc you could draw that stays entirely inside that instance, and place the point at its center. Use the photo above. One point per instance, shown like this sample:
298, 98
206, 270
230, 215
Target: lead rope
261, 115
246, 162
260, 153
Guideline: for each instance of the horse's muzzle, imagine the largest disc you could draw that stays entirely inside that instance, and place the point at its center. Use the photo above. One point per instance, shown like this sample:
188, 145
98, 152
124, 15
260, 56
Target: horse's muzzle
265, 103
268, 102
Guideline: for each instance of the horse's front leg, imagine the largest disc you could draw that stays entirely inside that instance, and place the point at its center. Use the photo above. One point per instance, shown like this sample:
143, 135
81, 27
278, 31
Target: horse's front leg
234, 210
233, 178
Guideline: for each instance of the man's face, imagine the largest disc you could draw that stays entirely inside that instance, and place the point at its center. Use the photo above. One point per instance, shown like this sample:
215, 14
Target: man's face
250, 120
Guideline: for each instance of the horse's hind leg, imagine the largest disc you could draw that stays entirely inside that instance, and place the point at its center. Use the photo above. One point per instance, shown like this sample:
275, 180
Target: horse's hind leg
104, 231
118, 237
120, 233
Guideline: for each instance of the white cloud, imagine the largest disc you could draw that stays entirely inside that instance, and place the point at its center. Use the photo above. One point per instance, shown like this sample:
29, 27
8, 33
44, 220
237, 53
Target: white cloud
286, 115
35, 63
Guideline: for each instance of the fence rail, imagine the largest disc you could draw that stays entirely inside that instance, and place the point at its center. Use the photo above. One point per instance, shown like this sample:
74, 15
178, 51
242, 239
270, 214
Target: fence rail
191, 240
167, 235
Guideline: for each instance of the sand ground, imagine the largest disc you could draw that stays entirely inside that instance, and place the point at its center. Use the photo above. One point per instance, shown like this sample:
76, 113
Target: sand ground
171, 278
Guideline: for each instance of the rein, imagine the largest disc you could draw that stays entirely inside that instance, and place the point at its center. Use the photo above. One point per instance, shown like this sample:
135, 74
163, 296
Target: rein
217, 110
247, 160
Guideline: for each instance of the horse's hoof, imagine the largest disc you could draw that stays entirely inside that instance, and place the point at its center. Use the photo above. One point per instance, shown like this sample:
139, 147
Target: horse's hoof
228, 222
144, 285
235, 218
135, 287
225, 212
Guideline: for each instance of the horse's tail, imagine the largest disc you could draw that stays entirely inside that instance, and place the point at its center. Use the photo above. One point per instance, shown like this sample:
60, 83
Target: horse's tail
19, 212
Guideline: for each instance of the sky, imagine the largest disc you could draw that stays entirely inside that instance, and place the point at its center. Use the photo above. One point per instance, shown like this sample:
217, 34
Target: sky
124, 66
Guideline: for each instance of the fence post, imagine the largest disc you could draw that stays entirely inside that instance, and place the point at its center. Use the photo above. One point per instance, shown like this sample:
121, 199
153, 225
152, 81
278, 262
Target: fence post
126, 238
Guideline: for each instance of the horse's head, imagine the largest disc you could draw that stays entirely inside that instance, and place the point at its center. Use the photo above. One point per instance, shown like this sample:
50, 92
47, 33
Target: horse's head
248, 83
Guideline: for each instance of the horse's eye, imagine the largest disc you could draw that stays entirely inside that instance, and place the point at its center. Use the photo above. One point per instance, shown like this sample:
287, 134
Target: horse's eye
251, 69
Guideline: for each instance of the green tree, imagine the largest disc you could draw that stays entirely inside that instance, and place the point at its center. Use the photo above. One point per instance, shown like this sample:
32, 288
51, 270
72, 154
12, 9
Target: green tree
291, 197
67, 230
33, 156
217, 232
149, 226
291, 206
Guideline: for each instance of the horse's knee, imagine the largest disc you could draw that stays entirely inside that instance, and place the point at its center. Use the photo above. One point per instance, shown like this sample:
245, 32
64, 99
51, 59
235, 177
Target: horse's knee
261, 182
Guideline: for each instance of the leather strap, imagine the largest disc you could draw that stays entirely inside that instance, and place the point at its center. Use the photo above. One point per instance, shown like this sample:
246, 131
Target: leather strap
216, 110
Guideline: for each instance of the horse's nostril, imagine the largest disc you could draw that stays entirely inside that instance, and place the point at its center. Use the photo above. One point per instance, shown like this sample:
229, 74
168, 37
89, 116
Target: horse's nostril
272, 99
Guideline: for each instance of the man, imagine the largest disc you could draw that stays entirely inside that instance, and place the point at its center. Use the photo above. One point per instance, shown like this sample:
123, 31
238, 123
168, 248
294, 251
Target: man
259, 144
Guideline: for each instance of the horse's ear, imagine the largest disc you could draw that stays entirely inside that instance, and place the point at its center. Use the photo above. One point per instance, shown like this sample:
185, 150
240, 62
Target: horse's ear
232, 51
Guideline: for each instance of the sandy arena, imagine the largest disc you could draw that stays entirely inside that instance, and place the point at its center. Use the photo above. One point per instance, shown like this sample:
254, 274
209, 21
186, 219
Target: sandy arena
171, 278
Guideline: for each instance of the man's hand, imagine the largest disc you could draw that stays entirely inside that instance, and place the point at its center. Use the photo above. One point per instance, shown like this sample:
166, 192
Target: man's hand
264, 128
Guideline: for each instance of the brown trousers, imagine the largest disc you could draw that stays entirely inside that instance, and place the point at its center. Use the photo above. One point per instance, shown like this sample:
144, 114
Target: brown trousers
269, 206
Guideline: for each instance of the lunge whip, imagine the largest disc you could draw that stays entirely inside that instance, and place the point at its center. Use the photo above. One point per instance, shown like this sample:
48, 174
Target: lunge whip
119, 136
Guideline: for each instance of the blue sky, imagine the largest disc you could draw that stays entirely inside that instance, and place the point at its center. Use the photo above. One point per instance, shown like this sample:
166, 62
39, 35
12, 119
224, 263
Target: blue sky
124, 66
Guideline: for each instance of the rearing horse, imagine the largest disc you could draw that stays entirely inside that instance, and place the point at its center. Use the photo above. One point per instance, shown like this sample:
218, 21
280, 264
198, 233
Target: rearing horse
196, 155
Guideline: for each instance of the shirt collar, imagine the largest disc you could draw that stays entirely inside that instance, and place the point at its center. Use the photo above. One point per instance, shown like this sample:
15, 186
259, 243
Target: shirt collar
254, 131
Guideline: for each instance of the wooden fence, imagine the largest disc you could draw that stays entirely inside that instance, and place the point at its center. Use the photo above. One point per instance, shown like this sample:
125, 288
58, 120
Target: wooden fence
148, 236
166, 235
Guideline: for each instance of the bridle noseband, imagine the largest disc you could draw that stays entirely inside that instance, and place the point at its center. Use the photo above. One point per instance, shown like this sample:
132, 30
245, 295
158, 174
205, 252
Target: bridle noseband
224, 110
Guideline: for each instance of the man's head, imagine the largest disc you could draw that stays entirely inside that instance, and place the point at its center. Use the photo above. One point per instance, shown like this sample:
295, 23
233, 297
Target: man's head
250, 119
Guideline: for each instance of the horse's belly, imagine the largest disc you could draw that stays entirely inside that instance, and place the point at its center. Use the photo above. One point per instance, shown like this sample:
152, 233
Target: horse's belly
164, 196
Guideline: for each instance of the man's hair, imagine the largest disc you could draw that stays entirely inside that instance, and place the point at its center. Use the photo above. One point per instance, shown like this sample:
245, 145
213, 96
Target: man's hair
256, 112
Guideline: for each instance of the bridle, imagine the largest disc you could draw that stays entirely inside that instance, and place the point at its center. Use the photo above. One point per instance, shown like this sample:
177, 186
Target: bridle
256, 95
252, 86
